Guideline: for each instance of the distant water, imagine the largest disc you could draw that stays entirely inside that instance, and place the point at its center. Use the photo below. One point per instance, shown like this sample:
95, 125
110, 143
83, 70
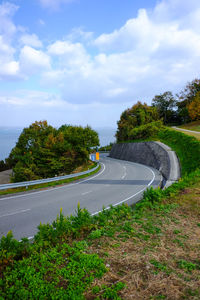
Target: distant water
9, 137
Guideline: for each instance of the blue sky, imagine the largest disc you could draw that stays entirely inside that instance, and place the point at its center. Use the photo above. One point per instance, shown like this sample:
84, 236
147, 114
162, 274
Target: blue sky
85, 61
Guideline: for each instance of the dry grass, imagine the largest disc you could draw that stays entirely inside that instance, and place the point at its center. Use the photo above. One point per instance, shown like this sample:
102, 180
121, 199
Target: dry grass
156, 265
192, 126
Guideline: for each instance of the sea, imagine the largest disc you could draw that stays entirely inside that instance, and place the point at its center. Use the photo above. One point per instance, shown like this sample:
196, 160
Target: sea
9, 136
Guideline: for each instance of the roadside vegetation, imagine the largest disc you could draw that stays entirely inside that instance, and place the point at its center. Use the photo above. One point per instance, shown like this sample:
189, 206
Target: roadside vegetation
147, 251
194, 126
43, 151
88, 166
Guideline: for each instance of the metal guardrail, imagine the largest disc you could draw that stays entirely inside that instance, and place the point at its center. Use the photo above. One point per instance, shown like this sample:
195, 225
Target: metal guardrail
46, 180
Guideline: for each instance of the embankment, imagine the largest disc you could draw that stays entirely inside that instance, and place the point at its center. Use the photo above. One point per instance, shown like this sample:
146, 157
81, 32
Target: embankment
153, 154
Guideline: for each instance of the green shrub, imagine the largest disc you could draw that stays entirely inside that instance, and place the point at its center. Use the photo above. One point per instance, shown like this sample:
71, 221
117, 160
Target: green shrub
145, 131
63, 272
186, 147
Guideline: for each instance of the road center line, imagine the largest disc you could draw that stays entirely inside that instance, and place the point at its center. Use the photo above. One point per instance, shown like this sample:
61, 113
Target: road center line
15, 213
132, 196
86, 193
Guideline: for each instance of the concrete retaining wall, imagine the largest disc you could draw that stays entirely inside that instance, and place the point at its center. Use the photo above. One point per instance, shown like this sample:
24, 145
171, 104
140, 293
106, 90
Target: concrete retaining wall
153, 154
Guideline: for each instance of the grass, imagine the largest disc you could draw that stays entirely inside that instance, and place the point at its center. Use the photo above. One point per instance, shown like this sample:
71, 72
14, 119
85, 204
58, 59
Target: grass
149, 251
192, 126
196, 135
157, 252
52, 184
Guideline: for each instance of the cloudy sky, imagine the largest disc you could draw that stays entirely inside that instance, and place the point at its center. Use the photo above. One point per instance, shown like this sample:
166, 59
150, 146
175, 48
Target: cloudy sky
85, 61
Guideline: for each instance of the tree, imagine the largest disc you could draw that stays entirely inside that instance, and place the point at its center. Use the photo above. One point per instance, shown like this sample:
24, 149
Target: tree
194, 108
139, 114
165, 103
43, 151
185, 98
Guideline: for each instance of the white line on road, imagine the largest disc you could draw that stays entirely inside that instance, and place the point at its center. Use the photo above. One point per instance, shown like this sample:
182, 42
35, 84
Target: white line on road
15, 212
122, 201
53, 189
124, 173
86, 193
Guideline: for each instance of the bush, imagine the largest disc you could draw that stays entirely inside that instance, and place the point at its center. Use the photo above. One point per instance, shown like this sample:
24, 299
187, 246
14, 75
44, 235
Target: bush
186, 147
145, 131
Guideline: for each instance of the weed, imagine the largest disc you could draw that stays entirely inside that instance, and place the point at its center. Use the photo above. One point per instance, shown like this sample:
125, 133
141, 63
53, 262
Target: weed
188, 266
106, 292
160, 267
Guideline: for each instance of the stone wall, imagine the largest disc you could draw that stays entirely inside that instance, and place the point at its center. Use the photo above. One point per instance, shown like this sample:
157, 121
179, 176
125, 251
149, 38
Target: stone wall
153, 154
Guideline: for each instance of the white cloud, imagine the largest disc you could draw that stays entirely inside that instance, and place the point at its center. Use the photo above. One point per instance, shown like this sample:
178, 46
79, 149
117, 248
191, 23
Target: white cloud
7, 27
32, 60
54, 4
150, 54
79, 34
31, 40
71, 54
9, 70
156, 51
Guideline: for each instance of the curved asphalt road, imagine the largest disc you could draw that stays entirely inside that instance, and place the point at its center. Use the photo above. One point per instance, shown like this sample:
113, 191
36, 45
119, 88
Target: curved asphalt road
117, 182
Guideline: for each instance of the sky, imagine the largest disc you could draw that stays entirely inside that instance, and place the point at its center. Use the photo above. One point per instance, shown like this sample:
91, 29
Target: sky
83, 62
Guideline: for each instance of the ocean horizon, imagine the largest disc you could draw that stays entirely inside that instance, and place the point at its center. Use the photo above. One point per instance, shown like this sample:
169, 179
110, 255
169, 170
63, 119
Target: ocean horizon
9, 137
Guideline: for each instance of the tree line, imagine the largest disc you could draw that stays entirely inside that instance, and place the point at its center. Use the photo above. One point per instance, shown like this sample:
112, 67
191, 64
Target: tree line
43, 151
143, 121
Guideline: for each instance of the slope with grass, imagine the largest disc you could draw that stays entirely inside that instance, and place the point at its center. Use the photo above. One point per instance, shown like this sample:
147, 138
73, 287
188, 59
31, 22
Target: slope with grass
149, 251
194, 126
192, 129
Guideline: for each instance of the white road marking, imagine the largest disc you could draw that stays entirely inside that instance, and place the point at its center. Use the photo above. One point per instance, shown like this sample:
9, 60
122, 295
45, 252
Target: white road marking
15, 212
50, 190
124, 200
86, 193
124, 172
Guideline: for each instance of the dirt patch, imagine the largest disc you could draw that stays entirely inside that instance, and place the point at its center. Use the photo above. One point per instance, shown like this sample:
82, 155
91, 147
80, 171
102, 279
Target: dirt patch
158, 257
5, 176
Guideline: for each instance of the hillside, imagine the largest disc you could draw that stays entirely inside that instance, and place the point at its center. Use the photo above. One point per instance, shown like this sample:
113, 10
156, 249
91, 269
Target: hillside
193, 127
148, 251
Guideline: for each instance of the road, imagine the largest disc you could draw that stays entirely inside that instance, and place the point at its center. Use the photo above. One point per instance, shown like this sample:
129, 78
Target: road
183, 129
117, 182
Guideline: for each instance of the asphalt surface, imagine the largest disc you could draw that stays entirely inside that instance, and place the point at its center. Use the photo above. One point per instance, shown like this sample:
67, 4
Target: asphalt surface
117, 182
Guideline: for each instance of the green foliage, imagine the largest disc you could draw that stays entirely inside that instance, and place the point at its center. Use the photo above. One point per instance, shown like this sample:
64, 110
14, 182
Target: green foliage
4, 165
165, 103
105, 292
56, 267
186, 147
63, 272
43, 151
160, 267
186, 96
139, 114
106, 148
145, 131
188, 266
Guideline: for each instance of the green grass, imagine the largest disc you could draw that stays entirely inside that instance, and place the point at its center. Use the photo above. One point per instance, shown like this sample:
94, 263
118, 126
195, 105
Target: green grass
186, 147
49, 184
147, 251
94, 257
195, 126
